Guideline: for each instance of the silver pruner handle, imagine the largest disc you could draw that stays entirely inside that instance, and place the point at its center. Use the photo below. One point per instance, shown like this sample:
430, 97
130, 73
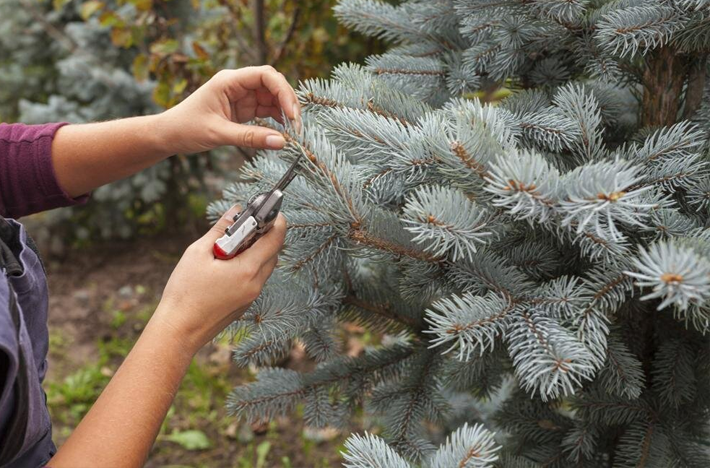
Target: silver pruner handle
229, 245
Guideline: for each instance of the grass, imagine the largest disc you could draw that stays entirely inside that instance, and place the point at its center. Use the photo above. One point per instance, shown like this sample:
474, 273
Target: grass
197, 430
70, 399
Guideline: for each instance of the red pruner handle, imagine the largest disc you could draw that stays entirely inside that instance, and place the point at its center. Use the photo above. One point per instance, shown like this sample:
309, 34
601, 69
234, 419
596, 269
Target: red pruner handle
220, 254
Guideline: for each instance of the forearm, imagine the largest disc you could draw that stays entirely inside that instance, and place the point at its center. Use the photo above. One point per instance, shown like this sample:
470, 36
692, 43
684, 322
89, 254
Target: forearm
88, 156
120, 428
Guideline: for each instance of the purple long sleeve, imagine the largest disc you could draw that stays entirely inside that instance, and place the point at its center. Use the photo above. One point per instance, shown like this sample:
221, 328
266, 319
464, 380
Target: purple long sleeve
28, 183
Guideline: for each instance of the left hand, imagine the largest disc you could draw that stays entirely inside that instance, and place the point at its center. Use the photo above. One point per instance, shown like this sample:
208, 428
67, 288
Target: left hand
204, 295
214, 115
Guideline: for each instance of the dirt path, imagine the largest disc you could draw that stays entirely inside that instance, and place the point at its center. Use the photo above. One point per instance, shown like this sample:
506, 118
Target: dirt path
101, 297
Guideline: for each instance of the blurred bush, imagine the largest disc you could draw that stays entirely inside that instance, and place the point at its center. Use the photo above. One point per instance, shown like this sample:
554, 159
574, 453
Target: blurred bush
91, 60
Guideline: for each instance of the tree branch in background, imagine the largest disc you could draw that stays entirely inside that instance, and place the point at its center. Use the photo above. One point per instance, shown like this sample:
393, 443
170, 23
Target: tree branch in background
260, 32
289, 35
60, 36
236, 15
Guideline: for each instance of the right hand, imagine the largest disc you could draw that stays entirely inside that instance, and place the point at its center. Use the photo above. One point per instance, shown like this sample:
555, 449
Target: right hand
216, 113
204, 295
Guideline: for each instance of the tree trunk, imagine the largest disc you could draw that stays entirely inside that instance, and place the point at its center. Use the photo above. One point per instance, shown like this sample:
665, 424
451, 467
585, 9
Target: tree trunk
696, 86
260, 32
663, 82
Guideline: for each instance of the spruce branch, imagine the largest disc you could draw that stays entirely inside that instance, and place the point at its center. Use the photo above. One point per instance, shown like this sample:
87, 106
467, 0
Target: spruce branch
468, 160
406, 403
306, 260
547, 358
641, 444
580, 443
677, 275
471, 323
564, 11
440, 228
674, 374
597, 407
376, 18
622, 374
627, 31
467, 447
277, 391
384, 310
370, 451
363, 237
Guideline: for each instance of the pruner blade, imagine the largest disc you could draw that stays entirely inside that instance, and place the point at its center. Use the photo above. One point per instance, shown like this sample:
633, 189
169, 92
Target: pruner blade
291, 172
258, 217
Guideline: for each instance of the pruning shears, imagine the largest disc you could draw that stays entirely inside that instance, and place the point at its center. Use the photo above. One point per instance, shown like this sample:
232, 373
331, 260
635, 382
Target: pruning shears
258, 217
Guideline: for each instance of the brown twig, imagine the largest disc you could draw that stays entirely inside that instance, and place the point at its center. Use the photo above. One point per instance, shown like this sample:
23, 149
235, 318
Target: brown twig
289, 35
260, 32
51, 30
237, 19
469, 161
384, 310
361, 236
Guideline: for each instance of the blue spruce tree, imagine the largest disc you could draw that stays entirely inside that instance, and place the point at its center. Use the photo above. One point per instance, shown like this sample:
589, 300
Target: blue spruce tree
540, 264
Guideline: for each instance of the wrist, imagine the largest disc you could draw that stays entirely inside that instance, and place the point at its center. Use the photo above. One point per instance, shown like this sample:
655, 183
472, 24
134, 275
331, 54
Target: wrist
181, 341
165, 138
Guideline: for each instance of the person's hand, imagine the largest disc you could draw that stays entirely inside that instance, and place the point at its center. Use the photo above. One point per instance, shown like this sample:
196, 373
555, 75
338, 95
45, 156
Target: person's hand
204, 295
214, 115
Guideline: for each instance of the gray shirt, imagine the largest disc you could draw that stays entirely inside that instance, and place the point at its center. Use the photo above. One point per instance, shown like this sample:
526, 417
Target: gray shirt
25, 429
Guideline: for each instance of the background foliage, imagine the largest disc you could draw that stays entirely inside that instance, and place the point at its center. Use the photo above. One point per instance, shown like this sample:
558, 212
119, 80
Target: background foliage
90, 60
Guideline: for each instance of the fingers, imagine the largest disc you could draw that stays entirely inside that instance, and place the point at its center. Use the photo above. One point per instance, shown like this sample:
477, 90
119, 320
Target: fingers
267, 270
276, 83
264, 251
249, 136
255, 78
220, 226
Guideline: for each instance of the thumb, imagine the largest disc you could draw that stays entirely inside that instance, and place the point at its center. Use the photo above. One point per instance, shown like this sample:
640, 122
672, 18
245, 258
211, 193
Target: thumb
221, 225
250, 136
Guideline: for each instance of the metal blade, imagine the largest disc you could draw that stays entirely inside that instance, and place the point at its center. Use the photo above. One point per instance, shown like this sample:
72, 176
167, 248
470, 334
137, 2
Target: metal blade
291, 172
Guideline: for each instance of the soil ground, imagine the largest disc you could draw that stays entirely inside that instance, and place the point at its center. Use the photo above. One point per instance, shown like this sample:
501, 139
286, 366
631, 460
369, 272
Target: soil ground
101, 298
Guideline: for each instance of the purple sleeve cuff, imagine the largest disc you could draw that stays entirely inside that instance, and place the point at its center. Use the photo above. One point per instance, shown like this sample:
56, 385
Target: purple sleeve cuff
28, 182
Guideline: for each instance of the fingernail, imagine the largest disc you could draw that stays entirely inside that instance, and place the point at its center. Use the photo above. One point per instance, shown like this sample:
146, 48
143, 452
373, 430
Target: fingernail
275, 141
296, 110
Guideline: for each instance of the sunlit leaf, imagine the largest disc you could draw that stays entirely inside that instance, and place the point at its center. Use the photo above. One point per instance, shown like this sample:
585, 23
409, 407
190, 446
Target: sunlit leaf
200, 51
262, 451
59, 4
140, 67
89, 8
142, 5
190, 440
165, 47
109, 19
180, 86
161, 94
122, 37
